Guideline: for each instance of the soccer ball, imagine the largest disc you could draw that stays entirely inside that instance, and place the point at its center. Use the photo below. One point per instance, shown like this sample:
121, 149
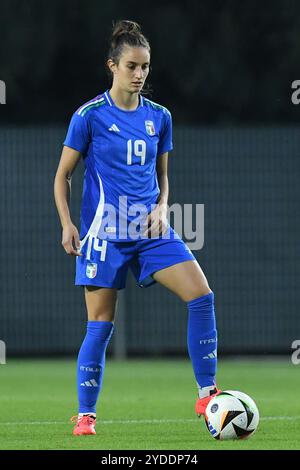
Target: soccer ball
231, 415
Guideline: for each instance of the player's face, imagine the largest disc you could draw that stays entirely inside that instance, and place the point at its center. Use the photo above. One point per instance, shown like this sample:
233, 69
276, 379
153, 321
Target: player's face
133, 68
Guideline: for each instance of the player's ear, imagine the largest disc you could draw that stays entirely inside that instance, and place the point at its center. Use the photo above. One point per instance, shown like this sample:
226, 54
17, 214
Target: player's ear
111, 65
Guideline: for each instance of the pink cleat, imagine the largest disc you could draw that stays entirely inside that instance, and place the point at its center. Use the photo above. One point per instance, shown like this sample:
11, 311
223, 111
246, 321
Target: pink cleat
84, 425
202, 403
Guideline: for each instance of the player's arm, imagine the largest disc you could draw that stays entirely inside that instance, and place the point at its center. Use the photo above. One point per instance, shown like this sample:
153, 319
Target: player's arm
62, 184
162, 177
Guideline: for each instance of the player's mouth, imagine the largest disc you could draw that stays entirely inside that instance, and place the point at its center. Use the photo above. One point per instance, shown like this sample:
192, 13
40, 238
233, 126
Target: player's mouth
137, 83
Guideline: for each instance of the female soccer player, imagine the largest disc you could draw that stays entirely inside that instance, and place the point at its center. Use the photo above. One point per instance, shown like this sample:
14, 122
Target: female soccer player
124, 140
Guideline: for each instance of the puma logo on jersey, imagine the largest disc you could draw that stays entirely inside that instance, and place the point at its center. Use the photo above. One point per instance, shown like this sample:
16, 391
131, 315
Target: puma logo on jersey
114, 128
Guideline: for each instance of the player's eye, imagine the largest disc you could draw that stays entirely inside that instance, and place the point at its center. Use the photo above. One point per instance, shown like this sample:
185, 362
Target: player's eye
132, 67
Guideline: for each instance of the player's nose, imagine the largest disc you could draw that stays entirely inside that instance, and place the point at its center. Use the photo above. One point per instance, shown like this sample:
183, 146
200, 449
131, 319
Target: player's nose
139, 73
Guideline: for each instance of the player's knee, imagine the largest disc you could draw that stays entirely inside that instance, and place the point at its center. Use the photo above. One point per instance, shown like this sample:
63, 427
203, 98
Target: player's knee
99, 315
197, 292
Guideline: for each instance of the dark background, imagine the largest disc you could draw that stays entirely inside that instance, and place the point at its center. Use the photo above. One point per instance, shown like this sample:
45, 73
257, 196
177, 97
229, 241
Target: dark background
216, 62
224, 69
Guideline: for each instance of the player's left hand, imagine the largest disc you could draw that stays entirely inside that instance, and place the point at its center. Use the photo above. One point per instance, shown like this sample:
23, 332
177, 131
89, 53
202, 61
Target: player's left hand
157, 221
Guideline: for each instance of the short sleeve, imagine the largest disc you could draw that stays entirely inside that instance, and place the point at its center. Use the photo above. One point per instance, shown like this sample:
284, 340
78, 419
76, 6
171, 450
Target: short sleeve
78, 135
165, 143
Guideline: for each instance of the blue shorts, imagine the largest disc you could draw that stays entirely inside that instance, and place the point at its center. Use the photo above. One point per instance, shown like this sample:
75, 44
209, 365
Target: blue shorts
105, 263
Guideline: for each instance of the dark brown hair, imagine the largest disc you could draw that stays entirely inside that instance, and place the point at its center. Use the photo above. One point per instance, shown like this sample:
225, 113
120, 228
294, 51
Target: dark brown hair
125, 32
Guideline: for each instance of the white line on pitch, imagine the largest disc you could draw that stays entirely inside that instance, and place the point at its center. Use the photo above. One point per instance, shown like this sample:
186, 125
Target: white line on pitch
142, 421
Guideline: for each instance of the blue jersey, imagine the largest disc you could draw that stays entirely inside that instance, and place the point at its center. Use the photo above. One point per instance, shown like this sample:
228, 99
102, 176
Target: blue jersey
119, 149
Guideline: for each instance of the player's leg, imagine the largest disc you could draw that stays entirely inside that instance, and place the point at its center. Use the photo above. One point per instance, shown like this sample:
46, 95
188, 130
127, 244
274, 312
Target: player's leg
188, 281
170, 262
100, 303
101, 307
102, 264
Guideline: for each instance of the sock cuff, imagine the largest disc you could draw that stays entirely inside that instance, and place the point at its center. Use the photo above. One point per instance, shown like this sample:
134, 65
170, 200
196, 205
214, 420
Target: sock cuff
204, 300
101, 329
98, 323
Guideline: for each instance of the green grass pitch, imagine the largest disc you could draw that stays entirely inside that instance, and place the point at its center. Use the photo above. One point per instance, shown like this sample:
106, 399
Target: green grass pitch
145, 405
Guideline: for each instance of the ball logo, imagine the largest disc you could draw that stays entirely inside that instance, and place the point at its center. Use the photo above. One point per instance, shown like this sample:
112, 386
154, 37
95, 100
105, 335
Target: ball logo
214, 408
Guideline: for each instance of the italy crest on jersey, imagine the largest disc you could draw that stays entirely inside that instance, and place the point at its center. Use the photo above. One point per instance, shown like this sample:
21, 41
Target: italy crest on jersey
150, 127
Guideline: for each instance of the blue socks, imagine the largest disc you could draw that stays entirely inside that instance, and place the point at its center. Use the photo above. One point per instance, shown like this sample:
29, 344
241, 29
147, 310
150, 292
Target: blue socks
91, 364
202, 348
202, 342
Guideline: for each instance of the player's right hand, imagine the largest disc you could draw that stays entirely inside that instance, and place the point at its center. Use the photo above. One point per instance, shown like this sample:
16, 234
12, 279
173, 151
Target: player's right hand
70, 240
